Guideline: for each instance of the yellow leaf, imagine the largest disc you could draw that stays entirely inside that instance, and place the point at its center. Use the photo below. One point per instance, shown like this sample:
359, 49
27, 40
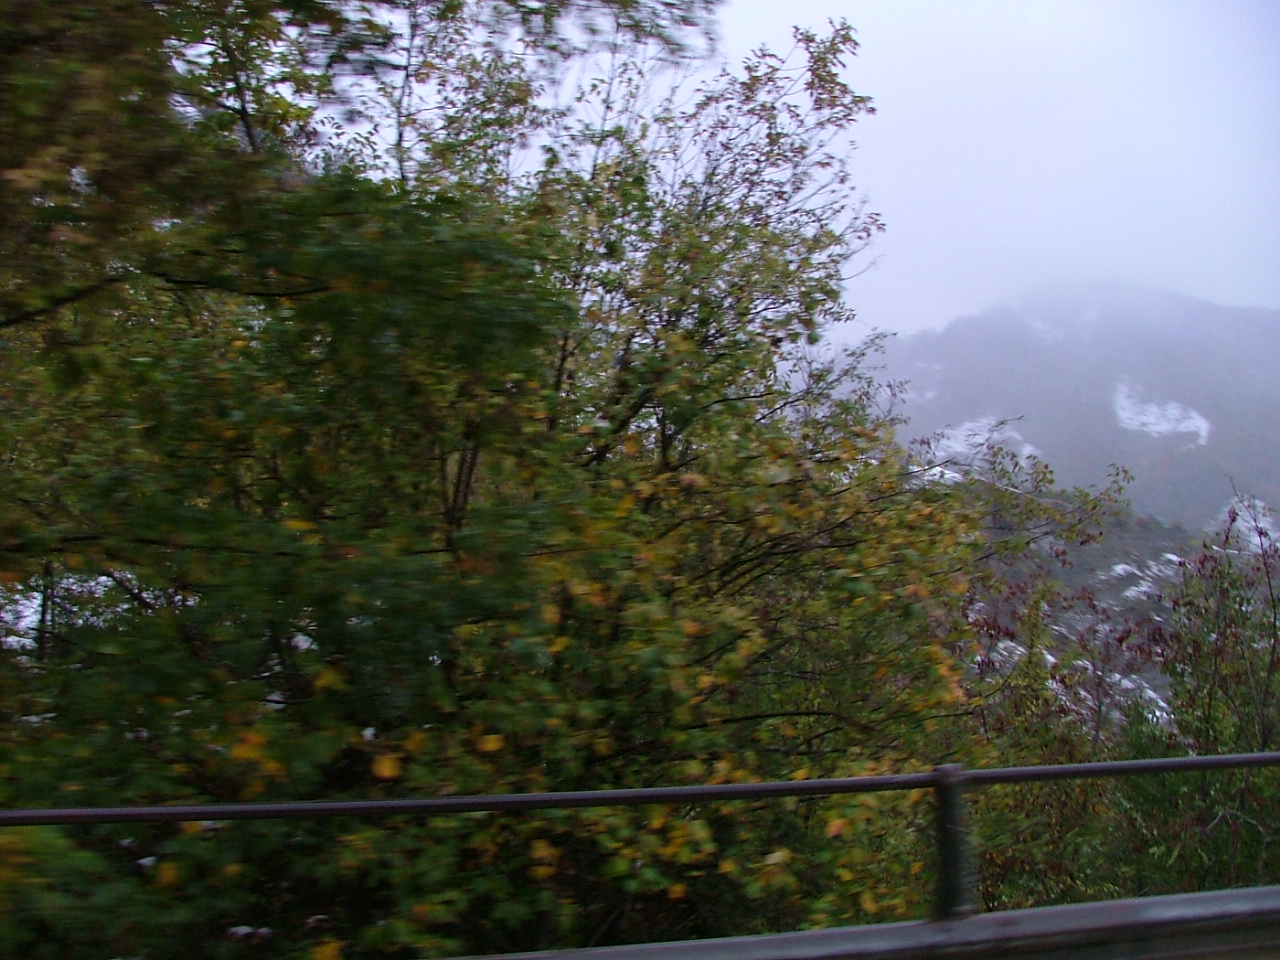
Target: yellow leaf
491, 743
551, 613
167, 873
299, 525
801, 774
542, 850
867, 902
248, 747
558, 644
836, 827
542, 872
415, 742
387, 766
677, 891
329, 950
329, 679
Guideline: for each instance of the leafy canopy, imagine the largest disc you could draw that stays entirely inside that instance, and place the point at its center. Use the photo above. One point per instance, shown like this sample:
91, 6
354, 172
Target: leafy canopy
376, 424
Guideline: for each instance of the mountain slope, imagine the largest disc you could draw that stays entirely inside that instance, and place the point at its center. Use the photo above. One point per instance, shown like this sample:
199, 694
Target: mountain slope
1183, 393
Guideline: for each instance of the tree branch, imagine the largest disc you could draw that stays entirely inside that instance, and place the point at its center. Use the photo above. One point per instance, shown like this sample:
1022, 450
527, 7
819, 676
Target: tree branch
36, 313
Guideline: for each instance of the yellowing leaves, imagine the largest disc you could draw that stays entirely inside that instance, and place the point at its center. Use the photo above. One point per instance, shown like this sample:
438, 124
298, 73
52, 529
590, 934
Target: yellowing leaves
250, 746
592, 593
415, 742
544, 854
167, 873
387, 766
693, 586
329, 679
544, 850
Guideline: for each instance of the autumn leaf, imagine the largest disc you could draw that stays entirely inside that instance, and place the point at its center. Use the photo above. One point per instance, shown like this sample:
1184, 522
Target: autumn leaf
387, 766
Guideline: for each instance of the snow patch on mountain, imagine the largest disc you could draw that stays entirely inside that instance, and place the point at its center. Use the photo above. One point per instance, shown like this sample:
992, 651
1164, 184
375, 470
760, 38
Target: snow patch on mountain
1157, 419
1146, 581
1251, 523
966, 441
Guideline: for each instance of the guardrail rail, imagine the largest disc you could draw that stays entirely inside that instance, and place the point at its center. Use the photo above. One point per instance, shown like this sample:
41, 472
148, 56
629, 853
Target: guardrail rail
956, 895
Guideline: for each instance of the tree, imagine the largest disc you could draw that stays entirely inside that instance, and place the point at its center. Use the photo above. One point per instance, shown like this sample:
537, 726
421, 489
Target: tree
408, 463
135, 135
1220, 652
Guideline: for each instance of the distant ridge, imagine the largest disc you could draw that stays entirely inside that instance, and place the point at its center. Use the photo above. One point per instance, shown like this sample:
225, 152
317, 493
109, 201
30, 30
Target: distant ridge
1182, 392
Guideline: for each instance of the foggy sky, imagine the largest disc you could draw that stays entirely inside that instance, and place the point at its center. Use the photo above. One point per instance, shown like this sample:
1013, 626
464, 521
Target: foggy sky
1024, 142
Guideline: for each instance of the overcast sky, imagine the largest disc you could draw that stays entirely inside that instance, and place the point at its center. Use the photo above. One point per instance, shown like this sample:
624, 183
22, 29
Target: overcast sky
1024, 142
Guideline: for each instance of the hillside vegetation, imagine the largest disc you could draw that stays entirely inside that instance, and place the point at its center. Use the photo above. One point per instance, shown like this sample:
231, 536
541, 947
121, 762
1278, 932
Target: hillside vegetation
382, 417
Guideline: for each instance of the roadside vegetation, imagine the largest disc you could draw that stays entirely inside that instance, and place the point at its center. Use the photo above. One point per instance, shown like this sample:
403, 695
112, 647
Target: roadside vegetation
425, 398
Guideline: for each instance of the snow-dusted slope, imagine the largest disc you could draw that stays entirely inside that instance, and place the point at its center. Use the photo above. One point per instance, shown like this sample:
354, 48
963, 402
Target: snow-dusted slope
1157, 419
1183, 393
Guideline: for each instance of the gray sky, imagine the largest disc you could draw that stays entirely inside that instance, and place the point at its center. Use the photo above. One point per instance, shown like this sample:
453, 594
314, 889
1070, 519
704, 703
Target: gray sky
1024, 142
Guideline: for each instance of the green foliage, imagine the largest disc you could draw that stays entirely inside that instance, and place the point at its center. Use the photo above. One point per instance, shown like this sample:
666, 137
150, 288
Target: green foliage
1220, 651
476, 444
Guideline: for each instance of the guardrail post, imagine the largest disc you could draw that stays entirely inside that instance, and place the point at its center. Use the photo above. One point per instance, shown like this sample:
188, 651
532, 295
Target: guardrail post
956, 898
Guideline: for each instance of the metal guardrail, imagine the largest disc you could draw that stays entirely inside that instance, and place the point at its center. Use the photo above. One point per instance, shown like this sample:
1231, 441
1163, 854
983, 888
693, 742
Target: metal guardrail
1240, 924
955, 895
